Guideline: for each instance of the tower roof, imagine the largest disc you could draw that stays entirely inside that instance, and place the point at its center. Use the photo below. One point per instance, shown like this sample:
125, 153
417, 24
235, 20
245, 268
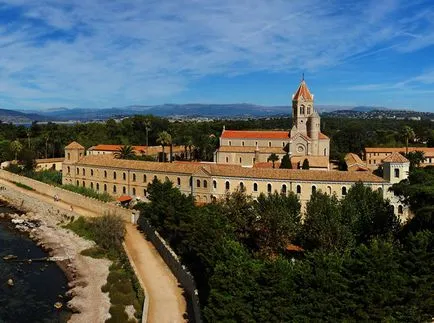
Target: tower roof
74, 145
395, 158
303, 91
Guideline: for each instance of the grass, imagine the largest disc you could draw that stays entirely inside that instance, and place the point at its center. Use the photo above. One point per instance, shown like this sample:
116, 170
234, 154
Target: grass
86, 191
122, 285
24, 186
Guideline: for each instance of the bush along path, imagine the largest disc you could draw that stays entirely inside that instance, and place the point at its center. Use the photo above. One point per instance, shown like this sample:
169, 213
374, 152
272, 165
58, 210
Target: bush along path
125, 292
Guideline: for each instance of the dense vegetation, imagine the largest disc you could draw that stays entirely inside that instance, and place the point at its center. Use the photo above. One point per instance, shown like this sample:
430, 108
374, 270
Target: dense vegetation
122, 285
347, 135
359, 263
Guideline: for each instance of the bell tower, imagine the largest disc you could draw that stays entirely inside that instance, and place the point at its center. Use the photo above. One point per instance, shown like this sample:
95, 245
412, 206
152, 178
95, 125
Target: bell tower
302, 107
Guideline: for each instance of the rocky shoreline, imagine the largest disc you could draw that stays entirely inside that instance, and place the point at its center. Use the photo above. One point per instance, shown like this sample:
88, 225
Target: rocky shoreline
43, 224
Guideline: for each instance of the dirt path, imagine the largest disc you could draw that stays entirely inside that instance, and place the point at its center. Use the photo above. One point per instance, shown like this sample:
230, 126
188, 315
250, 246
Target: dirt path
158, 279
166, 303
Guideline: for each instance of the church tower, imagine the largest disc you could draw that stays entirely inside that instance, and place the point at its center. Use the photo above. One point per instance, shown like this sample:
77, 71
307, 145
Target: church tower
302, 108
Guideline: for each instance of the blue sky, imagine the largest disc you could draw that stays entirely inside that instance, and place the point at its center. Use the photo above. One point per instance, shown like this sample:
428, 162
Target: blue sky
98, 54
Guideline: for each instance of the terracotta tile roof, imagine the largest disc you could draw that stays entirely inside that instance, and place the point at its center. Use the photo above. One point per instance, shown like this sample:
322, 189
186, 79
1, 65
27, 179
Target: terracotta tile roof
147, 150
322, 136
244, 149
74, 145
49, 160
230, 170
124, 198
302, 91
354, 163
314, 161
249, 134
395, 158
429, 151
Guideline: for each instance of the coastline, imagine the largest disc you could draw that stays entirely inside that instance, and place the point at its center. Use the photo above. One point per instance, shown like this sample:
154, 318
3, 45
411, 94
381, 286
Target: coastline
42, 222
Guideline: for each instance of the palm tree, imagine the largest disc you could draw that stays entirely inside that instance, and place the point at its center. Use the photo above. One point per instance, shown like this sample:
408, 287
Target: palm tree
408, 134
125, 152
147, 124
273, 158
16, 147
164, 139
189, 144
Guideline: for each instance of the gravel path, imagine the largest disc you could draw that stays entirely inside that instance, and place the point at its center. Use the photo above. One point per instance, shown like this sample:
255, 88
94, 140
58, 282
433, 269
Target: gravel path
166, 302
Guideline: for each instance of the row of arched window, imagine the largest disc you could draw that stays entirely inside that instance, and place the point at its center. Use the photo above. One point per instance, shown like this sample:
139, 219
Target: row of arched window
105, 190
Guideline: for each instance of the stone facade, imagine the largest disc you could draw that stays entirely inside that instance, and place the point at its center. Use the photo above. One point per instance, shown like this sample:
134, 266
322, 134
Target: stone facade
209, 181
246, 148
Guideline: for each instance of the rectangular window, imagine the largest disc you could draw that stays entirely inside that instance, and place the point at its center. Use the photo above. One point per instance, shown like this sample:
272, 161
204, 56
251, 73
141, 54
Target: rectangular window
397, 172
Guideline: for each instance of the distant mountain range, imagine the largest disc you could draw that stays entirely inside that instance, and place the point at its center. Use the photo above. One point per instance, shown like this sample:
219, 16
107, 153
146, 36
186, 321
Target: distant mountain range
238, 110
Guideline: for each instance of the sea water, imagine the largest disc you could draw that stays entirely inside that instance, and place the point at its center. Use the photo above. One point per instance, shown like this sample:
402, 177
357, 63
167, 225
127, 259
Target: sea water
37, 285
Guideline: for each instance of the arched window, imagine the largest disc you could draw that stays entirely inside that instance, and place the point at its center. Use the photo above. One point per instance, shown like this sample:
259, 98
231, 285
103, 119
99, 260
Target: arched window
214, 183
400, 209
283, 191
241, 186
114, 188
205, 184
144, 178
78, 183
91, 172
114, 175
105, 174
269, 144
227, 159
397, 172
124, 190
198, 183
124, 176
325, 151
329, 190
227, 185
105, 187
241, 160
255, 187
134, 191
134, 177
83, 172
69, 156
155, 177
302, 109
178, 181
269, 188
298, 189
308, 110
84, 184
242, 143
97, 186
313, 189
91, 185
190, 182
77, 171
230, 143
344, 190
69, 169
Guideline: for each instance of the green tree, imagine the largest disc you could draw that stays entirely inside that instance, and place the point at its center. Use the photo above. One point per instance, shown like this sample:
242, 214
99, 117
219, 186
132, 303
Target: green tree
16, 147
323, 227
147, 124
407, 134
164, 139
109, 231
286, 162
305, 164
273, 158
416, 158
367, 214
125, 152
277, 221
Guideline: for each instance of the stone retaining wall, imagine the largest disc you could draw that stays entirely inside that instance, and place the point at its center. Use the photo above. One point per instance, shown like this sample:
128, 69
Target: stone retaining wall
66, 196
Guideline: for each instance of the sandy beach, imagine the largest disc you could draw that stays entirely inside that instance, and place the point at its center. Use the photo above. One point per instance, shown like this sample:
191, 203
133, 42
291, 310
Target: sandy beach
86, 275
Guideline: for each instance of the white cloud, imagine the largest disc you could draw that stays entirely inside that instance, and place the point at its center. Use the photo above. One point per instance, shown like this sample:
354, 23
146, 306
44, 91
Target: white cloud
106, 53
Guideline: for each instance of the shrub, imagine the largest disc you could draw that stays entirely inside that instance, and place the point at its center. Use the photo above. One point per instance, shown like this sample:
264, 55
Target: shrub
105, 197
109, 231
24, 186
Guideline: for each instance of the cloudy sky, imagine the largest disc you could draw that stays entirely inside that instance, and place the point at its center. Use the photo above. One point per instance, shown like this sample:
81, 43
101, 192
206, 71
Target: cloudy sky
105, 53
